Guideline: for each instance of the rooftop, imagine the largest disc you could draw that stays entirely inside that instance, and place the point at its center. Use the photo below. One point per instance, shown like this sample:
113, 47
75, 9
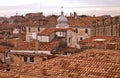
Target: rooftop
91, 63
43, 46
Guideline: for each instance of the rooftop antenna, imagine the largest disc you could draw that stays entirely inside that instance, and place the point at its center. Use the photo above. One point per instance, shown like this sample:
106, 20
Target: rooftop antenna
16, 14
62, 10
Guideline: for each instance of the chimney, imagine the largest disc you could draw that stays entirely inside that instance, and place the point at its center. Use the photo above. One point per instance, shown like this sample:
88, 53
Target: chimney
16, 14
94, 16
75, 15
71, 15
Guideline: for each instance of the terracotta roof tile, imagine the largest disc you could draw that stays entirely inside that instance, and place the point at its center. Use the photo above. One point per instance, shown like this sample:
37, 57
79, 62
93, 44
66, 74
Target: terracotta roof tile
92, 63
47, 31
44, 46
3, 49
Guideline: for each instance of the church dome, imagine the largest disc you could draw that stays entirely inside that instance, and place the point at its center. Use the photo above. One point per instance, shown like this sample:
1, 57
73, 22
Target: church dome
62, 21
62, 18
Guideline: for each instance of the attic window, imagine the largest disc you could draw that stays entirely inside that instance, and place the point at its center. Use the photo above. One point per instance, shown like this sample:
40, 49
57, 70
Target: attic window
31, 59
44, 58
25, 59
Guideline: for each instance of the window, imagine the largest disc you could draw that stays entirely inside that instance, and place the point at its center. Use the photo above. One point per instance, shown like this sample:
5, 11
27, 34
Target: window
31, 59
38, 29
65, 53
60, 33
44, 58
76, 30
25, 58
29, 29
69, 39
81, 38
86, 30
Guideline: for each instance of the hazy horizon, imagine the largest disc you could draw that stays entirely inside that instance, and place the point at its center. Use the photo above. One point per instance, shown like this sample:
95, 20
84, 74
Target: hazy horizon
82, 7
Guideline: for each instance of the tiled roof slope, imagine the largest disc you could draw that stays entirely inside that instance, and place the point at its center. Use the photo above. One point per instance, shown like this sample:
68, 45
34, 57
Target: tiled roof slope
43, 46
83, 21
3, 49
52, 21
79, 21
49, 31
88, 64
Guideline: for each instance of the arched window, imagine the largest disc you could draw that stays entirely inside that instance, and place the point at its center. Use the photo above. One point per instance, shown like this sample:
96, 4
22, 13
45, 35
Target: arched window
86, 30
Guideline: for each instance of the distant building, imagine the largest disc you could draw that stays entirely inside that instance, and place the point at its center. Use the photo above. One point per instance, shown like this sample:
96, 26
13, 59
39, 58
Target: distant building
62, 30
46, 42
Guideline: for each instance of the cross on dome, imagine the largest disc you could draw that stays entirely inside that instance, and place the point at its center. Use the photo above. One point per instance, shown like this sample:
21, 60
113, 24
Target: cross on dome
62, 20
62, 10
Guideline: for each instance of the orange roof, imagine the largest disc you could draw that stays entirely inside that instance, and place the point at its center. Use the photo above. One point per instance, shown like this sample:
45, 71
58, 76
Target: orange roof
47, 32
44, 46
3, 49
52, 21
92, 63
49, 46
64, 29
68, 49
80, 21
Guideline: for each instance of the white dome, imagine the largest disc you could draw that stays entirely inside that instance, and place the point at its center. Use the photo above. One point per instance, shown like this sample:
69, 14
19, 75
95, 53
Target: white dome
62, 18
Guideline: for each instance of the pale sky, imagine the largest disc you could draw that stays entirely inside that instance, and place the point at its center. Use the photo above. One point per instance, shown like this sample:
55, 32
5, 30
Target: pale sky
86, 7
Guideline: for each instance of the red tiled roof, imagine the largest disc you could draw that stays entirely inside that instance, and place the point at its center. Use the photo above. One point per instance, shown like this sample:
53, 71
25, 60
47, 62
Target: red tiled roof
49, 46
64, 29
3, 49
47, 32
68, 49
92, 63
44, 46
